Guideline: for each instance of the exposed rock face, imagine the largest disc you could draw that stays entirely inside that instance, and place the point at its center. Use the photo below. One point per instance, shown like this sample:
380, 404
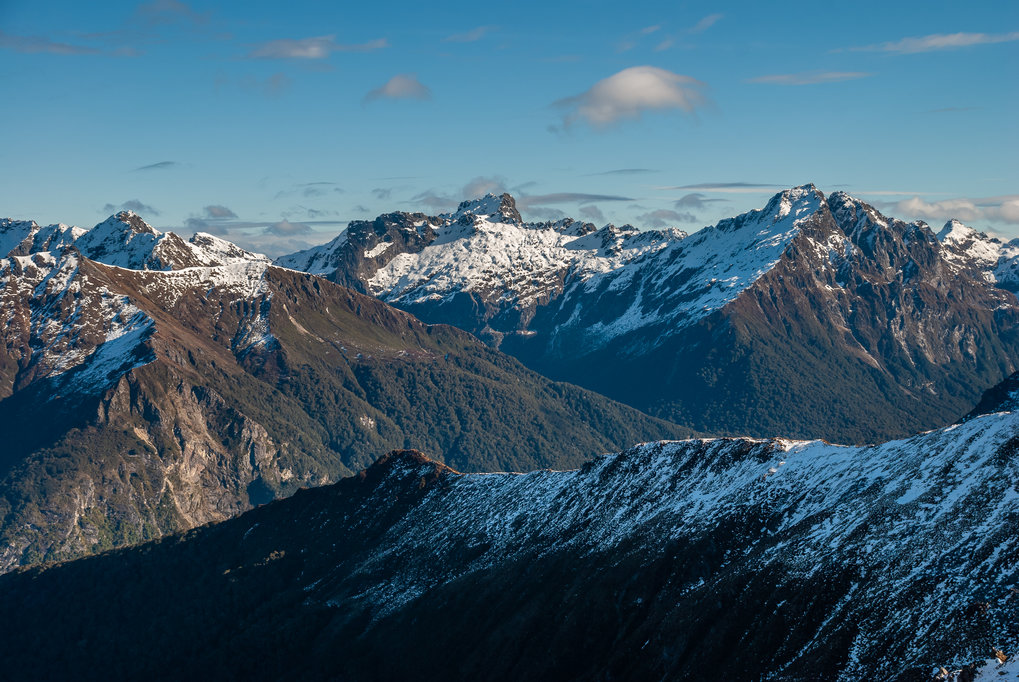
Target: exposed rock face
812, 317
140, 402
751, 559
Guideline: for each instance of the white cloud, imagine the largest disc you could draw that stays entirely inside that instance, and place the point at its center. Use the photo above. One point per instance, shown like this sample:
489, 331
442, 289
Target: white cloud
663, 217
311, 48
939, 41
402, 86
631, 92
1003, 209
809, 77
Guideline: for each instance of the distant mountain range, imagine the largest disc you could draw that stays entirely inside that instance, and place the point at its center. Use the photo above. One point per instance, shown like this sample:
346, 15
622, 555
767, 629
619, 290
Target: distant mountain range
812, 317
149, 384
726, 559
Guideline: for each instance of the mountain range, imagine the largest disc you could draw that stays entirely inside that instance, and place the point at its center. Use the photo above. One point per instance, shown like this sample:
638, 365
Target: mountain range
727, 558
149, 384
813, 317
194, 414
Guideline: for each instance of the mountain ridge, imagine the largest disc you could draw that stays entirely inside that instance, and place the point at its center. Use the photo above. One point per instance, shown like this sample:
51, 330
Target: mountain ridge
818, 561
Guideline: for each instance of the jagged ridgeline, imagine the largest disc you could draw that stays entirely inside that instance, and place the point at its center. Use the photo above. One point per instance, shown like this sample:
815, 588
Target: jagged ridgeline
193, 380
726, 559
812, 317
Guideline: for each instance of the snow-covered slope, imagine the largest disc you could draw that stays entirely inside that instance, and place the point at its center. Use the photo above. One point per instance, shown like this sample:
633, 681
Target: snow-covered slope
63, 311
998, 260
127, 241
727, 559
59, 316
318, 260
505, 260
680, 285
481, 265
24, 237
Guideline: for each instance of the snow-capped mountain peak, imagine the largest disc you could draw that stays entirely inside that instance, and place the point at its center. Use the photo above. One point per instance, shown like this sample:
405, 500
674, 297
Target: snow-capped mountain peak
954, 232
124, 240
23, 237
964, 246
212, 250
492, 208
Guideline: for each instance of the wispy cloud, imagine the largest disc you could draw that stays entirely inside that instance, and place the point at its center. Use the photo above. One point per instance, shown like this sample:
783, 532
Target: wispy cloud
37, 45
663, 217
695, 200
624, 171
310, 190
526, 201
809, 77
130, 205
402, 86
630, 93
439, 201
435, 201
311, 48
939, 41
536, 204
700, 27
160, 165
285, 228
706, 23
319, 189
728, 187
471, 36
257, 234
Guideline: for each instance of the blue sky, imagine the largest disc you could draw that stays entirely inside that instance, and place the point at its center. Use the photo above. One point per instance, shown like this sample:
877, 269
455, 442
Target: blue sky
274, 125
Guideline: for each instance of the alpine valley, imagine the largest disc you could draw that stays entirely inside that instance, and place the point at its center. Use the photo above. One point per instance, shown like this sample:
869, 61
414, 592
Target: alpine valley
813, 317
